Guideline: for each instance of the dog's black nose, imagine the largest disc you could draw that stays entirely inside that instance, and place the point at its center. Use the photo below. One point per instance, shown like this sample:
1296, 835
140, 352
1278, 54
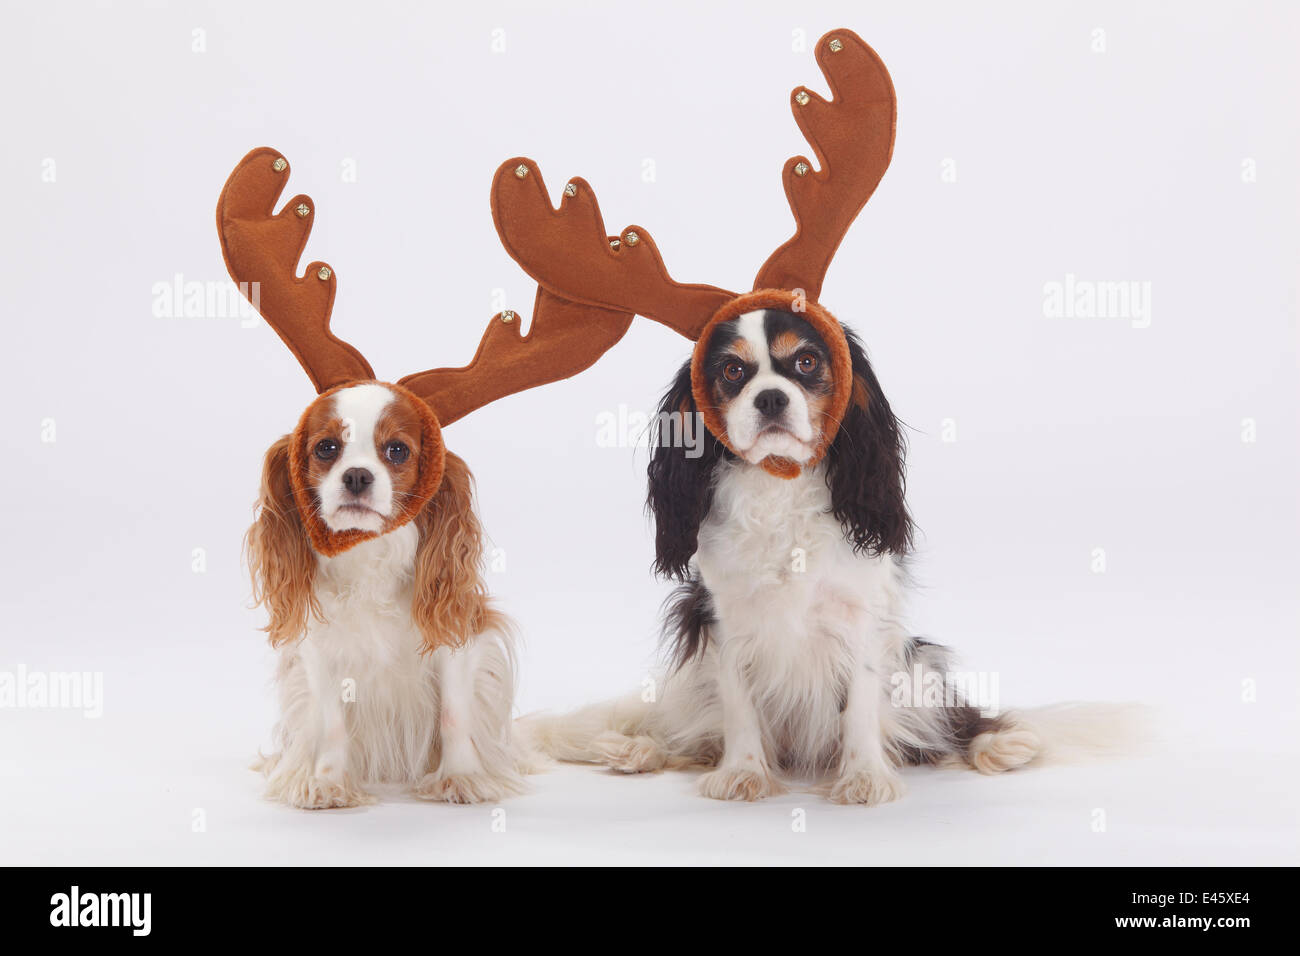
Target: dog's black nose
771, 402
357, 480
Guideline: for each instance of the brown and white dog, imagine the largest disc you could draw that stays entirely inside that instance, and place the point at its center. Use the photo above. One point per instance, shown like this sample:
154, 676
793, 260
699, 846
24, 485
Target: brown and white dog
393, 664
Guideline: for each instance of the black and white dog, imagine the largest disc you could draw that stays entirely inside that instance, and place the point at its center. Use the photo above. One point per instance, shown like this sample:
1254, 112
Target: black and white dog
785, 632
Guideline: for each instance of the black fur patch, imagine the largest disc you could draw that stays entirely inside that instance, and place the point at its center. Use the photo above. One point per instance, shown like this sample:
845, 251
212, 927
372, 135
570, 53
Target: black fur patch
688, 615
721, 354
865, 466
681, 487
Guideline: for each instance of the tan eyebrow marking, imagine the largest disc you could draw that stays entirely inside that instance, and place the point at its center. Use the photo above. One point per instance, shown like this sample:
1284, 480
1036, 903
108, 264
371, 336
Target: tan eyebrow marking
742, 349
786, 344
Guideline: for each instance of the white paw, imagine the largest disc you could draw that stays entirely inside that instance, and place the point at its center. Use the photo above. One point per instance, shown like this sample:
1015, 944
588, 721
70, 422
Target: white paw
867, 788
1002, 750
310, 792
465, 787
739, 783
332, 769
629, 754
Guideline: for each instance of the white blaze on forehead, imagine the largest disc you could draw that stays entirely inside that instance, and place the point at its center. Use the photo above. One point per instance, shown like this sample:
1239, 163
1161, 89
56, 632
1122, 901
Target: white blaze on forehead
750, 328
359, 408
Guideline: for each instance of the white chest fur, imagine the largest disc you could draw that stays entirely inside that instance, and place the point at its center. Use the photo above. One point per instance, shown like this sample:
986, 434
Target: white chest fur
365, 652
771, 550
789, 596
365, 598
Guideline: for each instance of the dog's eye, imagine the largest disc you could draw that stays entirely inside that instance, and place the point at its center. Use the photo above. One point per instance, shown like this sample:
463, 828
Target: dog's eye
806, 363
396, 452
326, 449
733, 371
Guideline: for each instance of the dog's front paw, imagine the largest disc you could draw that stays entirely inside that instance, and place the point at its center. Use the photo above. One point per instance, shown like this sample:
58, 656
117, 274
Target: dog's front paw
311, 792
739, 783
464, 787
867, 788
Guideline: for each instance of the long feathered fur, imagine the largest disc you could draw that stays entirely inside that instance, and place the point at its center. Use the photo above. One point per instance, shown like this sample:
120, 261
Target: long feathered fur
280, 559
451, 603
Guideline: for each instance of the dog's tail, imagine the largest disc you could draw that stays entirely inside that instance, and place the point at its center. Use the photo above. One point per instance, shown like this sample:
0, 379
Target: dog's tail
1060, 733
573, 737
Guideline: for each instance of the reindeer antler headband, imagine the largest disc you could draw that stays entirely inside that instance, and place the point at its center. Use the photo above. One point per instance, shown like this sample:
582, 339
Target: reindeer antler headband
852, 135
262, 250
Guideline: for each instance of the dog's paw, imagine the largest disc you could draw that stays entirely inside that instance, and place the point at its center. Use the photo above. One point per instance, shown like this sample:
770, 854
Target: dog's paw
629, 754
739, 783
867, 788
331, 768
1001, 750
310, 792
464, 787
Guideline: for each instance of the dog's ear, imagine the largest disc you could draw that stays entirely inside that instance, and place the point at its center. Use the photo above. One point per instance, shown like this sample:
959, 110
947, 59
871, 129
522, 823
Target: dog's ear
279, 553
865, 466
451, 602
683, 454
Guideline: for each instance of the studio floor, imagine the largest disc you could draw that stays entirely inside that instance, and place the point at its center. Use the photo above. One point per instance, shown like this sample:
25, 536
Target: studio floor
124, 802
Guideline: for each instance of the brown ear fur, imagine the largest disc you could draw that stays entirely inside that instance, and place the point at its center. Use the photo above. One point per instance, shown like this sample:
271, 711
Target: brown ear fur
280, 558
451, 602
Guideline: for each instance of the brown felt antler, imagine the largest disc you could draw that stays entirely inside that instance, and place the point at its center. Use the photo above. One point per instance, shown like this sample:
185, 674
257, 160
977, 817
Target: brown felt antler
568, 251
565, 339
262, 249
852, 135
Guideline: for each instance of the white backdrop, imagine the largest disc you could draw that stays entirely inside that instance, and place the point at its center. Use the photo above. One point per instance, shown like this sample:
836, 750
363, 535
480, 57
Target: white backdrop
1108, 503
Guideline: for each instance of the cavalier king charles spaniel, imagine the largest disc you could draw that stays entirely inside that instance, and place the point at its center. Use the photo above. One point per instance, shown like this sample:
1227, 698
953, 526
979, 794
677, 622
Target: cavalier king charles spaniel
394, 667
785, 631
